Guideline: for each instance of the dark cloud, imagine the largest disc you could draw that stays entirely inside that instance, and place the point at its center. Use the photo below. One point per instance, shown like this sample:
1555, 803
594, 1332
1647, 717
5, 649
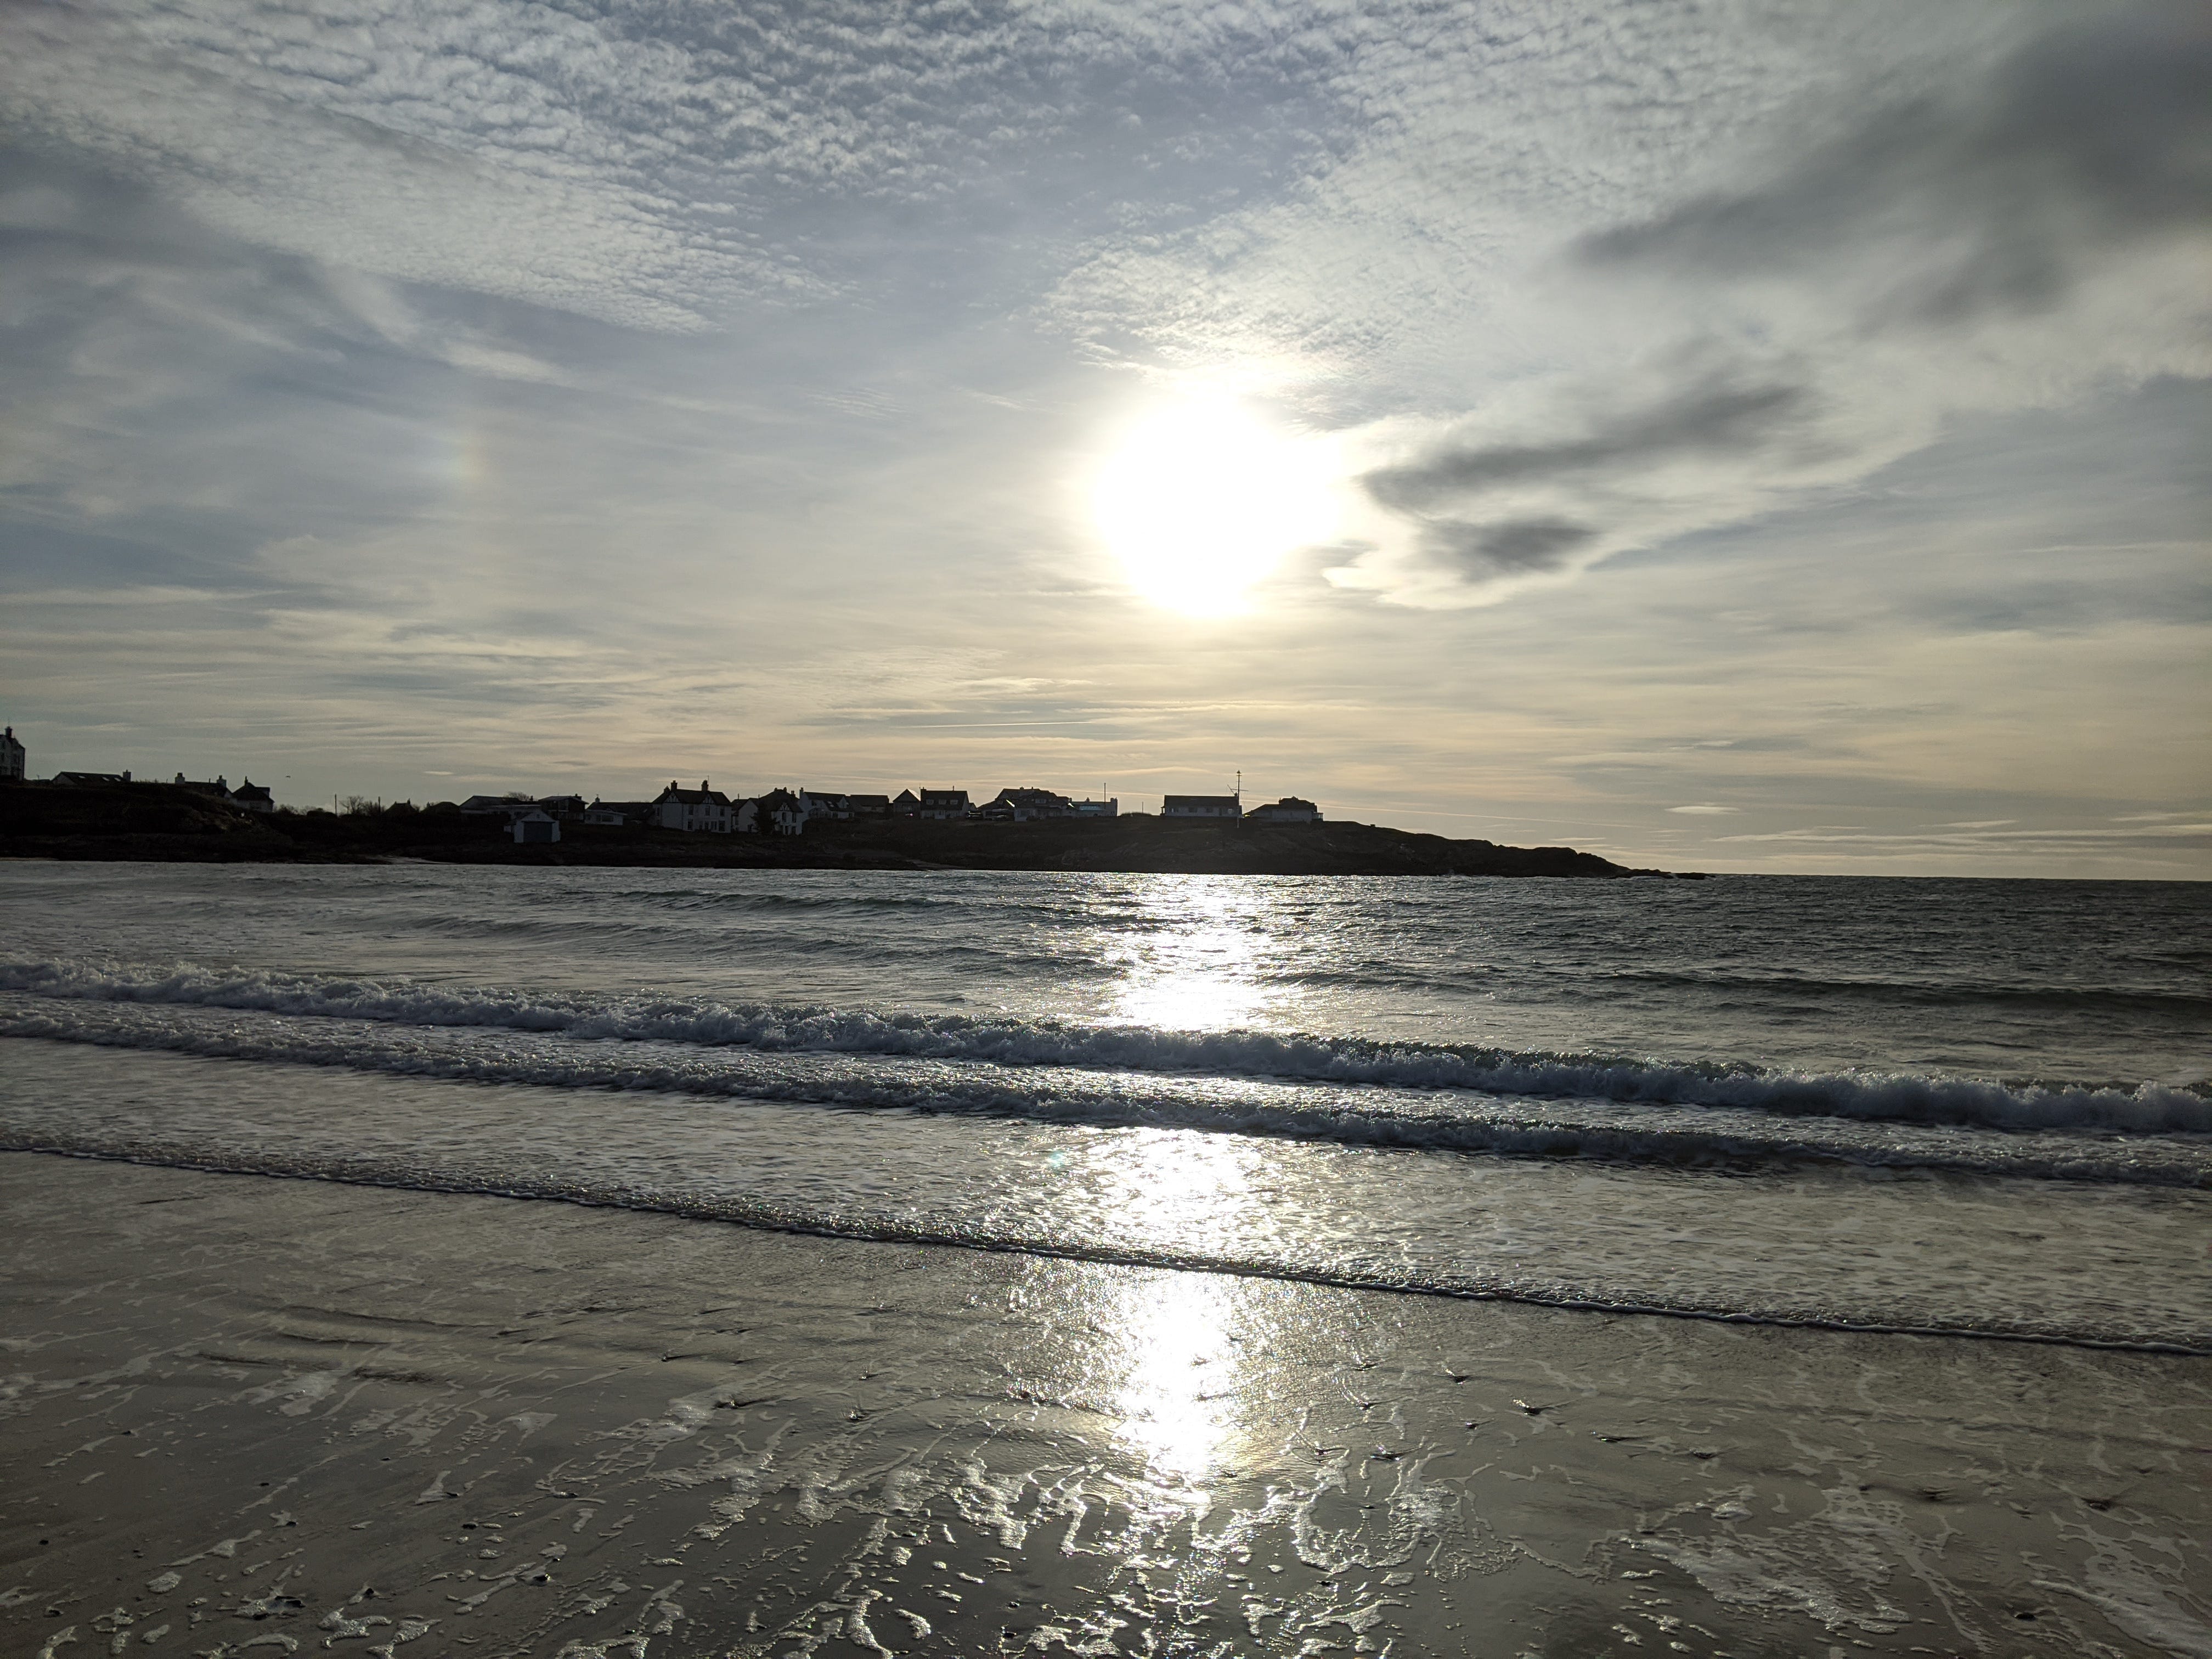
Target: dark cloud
2093, 136
2102, 599
1705, 419
1520, 548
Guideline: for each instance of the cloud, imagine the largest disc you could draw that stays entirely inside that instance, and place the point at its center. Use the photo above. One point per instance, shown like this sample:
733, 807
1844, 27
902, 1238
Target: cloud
2034, 230
390, 386
2095, 137
666, 169
1698, 420
1968, 840
1515, 548
1703, 809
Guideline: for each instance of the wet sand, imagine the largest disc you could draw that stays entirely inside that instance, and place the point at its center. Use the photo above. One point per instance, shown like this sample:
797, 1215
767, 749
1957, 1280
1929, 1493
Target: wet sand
245, 1415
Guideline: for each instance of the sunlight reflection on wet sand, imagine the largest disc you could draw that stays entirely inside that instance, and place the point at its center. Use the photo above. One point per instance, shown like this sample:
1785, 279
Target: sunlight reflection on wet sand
1179, 1397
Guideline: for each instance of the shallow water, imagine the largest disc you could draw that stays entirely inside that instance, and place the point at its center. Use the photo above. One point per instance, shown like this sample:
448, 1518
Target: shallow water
1977, 1107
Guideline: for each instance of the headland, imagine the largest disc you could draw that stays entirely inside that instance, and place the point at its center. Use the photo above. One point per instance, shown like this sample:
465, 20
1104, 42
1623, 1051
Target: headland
166, 822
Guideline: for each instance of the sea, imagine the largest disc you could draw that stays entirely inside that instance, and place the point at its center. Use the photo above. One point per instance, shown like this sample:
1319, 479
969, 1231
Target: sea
1982, 1107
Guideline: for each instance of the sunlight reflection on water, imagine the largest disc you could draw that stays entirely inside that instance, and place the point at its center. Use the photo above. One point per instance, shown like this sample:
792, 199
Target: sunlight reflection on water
1200, 966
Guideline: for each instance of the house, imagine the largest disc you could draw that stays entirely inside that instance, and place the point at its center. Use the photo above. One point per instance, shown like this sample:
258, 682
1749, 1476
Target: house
906, 805
701, 809
489, 807
15, 760
1020, 806
561, 807
1201, 806
94, 778
870, 806
616, 813
1109, 808
253, 797
820, 804
1289, 810
944, 803
534, 827
778, 813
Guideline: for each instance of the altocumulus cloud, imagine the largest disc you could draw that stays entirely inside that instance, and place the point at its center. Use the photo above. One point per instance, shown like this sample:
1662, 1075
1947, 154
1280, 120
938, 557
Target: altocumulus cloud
657, 165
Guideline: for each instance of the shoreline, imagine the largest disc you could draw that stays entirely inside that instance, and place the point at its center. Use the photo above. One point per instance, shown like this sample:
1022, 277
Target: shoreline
250, 1409
883, 1230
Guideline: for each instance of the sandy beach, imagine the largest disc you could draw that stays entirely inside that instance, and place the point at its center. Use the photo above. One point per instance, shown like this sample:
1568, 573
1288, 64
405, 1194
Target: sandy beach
247, 1414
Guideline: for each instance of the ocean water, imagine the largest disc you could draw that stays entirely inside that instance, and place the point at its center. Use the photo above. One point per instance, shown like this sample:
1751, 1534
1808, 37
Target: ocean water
1974, 1107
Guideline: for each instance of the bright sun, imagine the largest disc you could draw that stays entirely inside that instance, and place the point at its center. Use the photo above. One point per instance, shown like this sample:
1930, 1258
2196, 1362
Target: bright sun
1201, 499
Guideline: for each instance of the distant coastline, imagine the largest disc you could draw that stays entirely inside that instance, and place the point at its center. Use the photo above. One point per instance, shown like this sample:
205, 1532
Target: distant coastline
163, 822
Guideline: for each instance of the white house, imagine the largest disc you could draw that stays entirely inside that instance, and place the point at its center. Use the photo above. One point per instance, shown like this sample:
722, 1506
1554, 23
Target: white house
1023, 804
15, 760
701, 809
944, 803
253, 797
1201, 806
534, 826
1109, 808
817, 804
1289, 810
778, 813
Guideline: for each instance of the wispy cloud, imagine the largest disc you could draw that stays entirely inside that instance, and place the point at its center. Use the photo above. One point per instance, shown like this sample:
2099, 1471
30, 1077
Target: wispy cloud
1998, 243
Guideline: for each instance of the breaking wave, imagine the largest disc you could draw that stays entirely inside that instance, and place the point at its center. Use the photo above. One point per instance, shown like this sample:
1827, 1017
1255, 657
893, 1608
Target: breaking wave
1002, 1057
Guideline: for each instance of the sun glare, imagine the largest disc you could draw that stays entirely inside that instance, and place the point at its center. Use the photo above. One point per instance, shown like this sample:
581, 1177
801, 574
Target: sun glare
1202, 499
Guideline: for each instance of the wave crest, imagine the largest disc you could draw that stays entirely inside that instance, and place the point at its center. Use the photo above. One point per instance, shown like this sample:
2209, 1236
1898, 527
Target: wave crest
2145, 1110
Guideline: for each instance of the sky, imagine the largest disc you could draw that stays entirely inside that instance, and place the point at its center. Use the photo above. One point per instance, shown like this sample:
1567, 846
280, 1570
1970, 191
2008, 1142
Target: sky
1724, 434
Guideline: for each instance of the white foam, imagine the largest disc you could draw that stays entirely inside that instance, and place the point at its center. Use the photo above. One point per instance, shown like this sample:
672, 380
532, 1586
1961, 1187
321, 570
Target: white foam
1353, 1114
2146, 1108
